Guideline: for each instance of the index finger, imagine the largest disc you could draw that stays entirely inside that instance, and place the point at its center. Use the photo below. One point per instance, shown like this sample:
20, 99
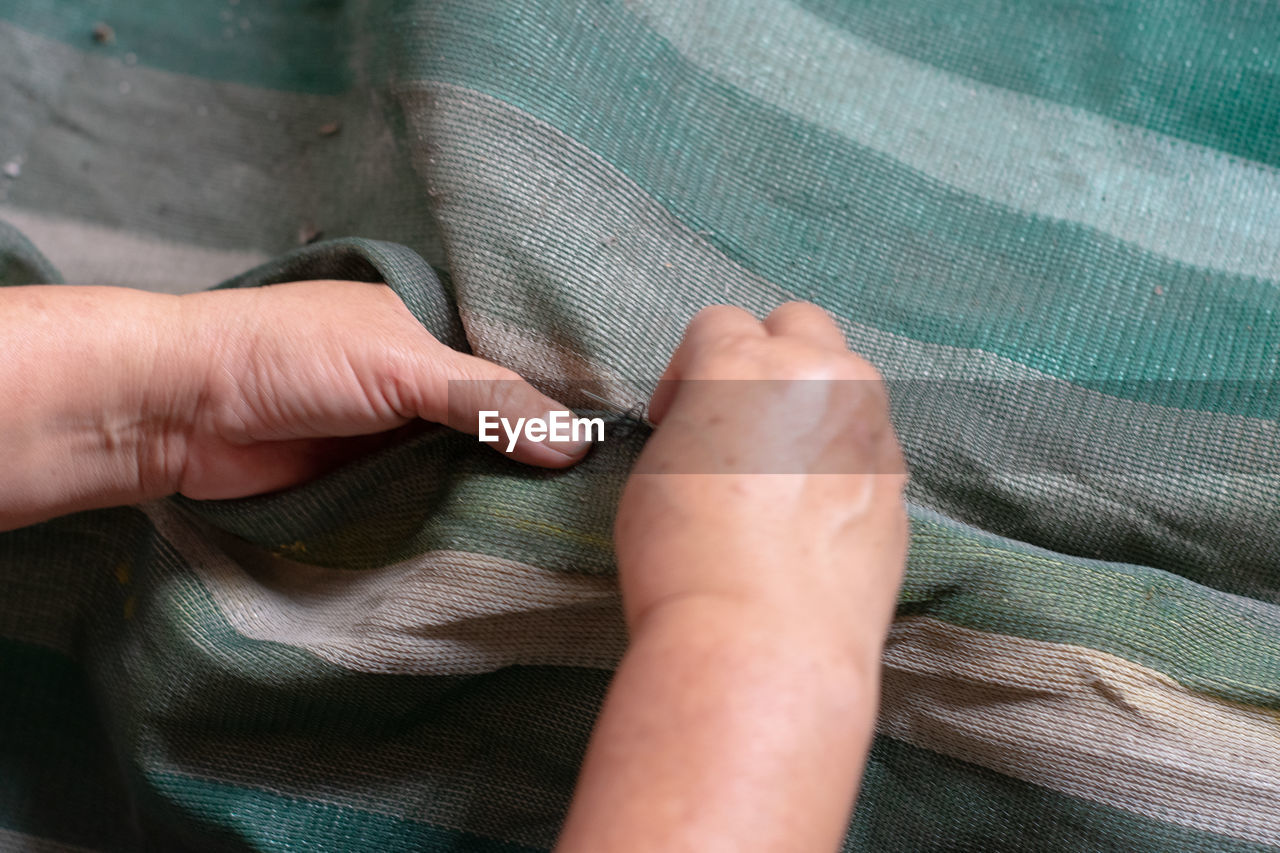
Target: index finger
708, 325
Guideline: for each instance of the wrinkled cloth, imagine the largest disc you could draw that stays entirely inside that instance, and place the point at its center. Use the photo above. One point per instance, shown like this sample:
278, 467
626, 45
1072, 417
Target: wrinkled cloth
1053, 229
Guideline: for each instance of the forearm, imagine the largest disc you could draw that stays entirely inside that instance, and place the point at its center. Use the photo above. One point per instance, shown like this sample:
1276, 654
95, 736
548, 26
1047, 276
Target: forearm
726, 728
84, 394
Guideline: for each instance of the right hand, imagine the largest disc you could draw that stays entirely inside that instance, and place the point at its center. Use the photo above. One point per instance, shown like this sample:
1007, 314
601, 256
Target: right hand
300, 377
781, 495
760, 541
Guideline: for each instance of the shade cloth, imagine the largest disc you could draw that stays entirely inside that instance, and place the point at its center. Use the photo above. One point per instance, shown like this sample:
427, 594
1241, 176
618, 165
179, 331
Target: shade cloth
1054, 227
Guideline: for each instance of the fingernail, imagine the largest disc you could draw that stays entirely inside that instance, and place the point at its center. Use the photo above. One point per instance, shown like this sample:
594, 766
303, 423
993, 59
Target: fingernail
570, 435
570, 449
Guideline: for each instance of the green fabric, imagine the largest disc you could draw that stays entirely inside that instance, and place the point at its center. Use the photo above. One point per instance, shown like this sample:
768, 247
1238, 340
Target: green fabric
1053, 228
297, 45
1134, 62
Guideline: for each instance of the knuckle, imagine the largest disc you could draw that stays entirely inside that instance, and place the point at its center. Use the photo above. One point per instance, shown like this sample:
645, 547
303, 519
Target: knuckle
396, 379
798, 310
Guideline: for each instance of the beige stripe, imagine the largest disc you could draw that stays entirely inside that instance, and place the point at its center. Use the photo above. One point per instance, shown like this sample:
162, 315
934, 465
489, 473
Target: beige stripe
442, 613
1068, 718
92, 254
1085, 723
1180, 200
20, 842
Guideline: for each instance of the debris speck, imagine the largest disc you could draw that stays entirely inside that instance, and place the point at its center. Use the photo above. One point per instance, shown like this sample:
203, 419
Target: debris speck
125, 87
103, 34
202, 110
13, 169
244, 24
329, 129
131, 59
1159, 290
308, 234
226, 16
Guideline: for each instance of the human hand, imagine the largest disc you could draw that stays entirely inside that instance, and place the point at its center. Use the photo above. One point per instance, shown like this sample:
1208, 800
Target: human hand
760, 540
304, 375
113, 396
773, 481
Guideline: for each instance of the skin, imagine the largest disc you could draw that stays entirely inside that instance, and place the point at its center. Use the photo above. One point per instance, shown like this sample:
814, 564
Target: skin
760, 539
757, 603
115, 396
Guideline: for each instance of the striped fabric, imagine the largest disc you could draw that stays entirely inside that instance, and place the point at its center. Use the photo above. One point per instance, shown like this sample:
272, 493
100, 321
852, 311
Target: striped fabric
1055, 228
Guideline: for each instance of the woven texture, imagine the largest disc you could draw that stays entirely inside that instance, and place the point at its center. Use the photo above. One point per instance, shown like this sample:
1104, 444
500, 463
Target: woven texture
1054, 227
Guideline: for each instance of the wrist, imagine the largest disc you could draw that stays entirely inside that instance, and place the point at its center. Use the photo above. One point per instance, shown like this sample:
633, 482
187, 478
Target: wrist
834, 656
798, 594
734, 735
91, 413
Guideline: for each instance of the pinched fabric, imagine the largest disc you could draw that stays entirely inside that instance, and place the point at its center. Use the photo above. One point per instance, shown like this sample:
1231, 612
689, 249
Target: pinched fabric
1054, 228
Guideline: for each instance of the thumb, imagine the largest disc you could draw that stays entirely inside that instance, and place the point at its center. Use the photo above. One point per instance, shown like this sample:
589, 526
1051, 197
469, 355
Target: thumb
461, 390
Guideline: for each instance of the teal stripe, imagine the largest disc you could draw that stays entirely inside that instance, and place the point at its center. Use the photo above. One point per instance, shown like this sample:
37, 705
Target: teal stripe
263, 821
1200, 70
292, 45
178, 690
849, 228
1190, 203
917, 801
909, 795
